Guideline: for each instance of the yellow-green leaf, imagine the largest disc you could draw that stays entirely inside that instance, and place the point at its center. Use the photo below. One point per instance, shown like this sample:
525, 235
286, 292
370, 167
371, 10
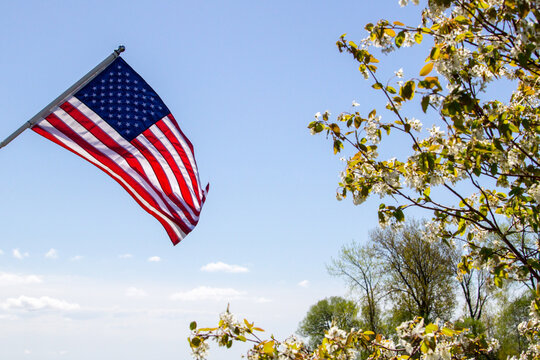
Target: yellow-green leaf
398, 23
448, 332
335, 128
268, 347
423, 347
426, 69
431, 328
390, 32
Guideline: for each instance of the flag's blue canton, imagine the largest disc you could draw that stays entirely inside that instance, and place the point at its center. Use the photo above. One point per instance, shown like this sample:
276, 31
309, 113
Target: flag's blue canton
123, 99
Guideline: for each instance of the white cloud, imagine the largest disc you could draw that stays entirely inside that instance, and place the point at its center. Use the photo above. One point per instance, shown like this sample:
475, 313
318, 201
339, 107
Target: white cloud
18, 255
27, 352
42, 303
125, 256
154, 259
1, 252
208, 293
304, 283
262, 300
76, 258
14, 279
222, 267
52, 254
134, 292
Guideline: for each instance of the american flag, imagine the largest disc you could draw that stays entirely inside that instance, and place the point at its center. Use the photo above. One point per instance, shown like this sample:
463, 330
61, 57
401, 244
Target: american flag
118, 123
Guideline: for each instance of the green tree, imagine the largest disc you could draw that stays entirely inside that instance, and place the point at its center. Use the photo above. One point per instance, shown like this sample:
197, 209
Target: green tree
513, 313
363, 271
420, 277
332, 311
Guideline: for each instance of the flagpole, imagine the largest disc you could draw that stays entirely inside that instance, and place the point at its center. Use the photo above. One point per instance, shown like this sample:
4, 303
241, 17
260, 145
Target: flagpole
74, 88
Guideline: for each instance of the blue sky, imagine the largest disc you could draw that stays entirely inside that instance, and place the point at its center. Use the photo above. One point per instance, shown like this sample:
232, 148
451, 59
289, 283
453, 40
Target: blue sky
84, 272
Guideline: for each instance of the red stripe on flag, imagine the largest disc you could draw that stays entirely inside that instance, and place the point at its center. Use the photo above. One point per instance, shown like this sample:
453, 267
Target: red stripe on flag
163, 179
173, 121
172, 234
131, 159
184, 187
62, 127
185, 160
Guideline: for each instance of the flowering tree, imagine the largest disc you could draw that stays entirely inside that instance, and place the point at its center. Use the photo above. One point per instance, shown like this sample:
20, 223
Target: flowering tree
490, 145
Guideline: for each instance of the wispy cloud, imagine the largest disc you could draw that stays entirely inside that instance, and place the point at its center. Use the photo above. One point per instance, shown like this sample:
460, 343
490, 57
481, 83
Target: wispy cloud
125, 256
223, 267
154, 259
14, 279
76, 258
208, 293
304, 283
52, 254
28, 303
1, 252
17, 254
134, 292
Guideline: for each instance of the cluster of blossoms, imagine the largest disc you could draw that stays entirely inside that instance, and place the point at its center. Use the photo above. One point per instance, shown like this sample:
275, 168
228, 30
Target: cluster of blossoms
415, 340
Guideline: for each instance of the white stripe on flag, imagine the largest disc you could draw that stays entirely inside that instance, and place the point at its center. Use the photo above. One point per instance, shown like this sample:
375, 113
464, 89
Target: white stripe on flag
148, 170
170, 148
64, 139
123, 164
187, 150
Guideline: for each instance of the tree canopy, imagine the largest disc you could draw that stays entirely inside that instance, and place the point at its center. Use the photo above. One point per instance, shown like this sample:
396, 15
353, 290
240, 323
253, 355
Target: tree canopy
326, 313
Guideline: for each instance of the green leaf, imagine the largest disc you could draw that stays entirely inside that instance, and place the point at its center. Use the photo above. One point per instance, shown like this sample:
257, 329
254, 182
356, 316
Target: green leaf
377, 86
193, 325
196, 341
398, 214
400, 38
425, 103
338, 145
335, 128
407, 90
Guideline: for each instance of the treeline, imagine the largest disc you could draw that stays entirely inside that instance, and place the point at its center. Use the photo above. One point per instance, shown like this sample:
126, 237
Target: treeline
402, 273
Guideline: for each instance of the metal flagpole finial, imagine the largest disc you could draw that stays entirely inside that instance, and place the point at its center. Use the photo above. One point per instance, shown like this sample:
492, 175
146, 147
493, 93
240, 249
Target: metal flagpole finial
120, 49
